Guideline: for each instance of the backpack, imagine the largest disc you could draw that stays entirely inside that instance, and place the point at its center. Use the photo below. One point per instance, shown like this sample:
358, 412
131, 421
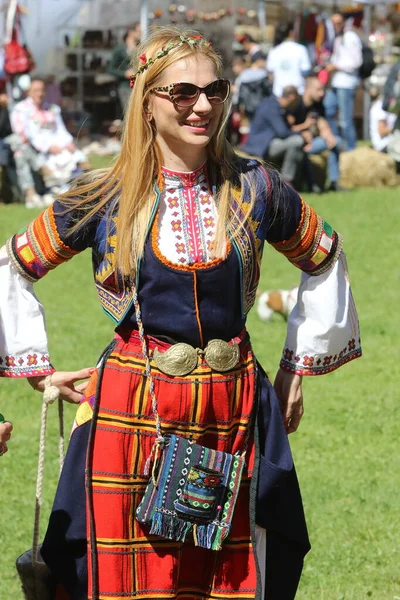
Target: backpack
251, 93
368, 63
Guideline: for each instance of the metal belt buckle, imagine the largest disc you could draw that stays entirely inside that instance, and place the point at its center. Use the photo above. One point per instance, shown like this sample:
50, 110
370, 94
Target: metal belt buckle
222, 356
181, 359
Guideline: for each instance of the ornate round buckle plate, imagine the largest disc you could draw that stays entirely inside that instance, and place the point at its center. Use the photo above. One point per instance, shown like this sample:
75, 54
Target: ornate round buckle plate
222, 356
180, 359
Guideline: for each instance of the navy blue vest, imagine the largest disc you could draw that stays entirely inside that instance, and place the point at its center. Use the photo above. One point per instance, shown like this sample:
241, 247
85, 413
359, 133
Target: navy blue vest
179, 303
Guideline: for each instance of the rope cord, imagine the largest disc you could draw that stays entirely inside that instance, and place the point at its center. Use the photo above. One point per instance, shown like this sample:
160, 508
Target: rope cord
145, 353
51, 394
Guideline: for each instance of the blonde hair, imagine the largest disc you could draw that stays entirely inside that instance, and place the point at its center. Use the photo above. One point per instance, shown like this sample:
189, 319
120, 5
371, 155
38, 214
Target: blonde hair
135, 171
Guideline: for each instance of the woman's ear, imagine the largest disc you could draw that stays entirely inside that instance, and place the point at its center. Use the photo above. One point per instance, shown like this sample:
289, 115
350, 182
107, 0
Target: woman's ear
148, 109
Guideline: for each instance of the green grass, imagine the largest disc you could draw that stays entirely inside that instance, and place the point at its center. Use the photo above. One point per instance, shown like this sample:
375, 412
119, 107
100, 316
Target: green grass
346, 449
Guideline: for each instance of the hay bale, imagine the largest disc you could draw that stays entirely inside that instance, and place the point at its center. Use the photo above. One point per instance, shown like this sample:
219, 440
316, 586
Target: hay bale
365, 167
319, 168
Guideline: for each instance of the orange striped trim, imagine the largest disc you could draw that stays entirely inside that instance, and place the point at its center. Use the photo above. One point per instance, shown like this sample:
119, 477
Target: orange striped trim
305, 236
46, 240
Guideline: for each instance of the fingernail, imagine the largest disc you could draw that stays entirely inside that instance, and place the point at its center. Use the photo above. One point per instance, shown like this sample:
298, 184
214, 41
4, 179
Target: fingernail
92, 370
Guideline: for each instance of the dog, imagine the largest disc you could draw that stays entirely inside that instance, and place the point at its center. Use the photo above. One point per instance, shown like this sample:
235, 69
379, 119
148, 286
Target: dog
276, 301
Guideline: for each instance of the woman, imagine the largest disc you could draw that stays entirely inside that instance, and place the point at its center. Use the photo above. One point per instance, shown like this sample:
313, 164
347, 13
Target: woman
182, 219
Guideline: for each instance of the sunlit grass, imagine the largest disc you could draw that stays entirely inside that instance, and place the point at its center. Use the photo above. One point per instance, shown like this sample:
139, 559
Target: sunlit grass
346, 449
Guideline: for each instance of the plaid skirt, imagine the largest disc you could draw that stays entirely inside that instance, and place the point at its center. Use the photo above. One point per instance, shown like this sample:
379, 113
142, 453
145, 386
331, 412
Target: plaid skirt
213, 409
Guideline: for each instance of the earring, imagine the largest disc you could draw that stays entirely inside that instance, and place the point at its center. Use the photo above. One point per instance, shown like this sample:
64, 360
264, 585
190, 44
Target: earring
149, 116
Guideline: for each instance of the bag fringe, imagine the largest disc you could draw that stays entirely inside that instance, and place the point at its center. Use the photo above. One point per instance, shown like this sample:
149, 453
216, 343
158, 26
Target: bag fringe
209, 536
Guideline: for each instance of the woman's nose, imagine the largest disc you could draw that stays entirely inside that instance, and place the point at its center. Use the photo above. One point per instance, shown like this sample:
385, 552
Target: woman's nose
203, 104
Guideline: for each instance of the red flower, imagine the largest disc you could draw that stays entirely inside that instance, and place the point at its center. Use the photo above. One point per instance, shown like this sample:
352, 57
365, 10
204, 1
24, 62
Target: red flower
196, 37
143, 58
10, 361
308, 361
132, 81
176, 225
180, 248
32, 359
288, 354
208, 221
173, 202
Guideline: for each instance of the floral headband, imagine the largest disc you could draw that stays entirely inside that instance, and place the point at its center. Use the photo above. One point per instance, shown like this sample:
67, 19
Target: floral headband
146, 62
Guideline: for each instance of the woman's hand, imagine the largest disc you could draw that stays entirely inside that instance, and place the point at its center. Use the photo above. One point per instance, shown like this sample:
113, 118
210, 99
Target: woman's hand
65, 381
290, 395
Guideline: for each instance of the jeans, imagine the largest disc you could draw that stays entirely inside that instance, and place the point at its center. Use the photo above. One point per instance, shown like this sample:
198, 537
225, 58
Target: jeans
340, 102
291, 149
319, 145
5, 153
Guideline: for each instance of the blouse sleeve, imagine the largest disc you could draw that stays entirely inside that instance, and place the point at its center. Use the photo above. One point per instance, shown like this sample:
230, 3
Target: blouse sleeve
323, 331
29, 255
23, 339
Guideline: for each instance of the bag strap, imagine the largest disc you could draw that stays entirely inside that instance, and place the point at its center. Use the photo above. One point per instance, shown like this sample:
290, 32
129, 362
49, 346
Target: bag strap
145, 353
51, 394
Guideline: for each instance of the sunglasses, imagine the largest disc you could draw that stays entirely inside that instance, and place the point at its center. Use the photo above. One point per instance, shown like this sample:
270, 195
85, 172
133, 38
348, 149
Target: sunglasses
186, 94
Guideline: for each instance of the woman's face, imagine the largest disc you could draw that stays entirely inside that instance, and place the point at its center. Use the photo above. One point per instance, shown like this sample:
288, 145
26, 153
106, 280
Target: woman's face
186, 131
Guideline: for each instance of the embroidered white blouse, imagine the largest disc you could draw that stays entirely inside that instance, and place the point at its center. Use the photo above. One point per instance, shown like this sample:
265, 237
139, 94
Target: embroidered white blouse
322, 330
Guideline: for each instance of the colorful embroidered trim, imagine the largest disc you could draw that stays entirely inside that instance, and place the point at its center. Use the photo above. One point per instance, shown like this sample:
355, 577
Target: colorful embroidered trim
315, 246
319, 365
180, 267
38, 248
192, 40
249, 250
29, 365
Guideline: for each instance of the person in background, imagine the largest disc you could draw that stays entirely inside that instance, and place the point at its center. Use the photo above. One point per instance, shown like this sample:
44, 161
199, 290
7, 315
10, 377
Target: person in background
288, 62
381, 122
239, 64
254, 85
5, 129
120, 61
389, 87
8, 178
343, 67
309, 115
249, 45
42, 144
271, 136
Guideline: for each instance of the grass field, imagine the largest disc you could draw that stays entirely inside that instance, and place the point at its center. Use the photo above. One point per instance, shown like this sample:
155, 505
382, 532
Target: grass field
346, 450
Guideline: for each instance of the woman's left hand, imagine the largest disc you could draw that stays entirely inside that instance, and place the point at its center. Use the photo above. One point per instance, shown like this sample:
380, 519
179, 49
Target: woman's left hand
290, 395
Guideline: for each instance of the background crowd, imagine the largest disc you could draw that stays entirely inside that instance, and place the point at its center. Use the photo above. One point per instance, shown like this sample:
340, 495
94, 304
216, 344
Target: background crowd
289, 104
289, 107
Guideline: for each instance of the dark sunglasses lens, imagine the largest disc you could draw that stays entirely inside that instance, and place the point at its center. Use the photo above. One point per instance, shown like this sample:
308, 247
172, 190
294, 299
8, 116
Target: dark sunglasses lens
218, 91
185, 94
